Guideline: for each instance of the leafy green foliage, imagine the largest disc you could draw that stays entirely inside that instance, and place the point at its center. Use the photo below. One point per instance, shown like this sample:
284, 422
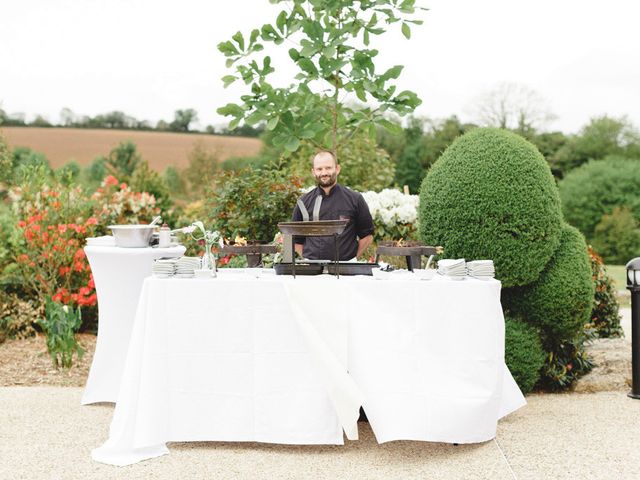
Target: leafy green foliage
6, 162
328, 42
174, 180
595, 189
605, 314
94, 173
60, 324
617, 236
182, 119
69, 173
231, 205
146, 180
202, 169
523, 353
122, 161
491, 195
409, 170
559, 303
564, 364
24, 160
602, 137
364, 166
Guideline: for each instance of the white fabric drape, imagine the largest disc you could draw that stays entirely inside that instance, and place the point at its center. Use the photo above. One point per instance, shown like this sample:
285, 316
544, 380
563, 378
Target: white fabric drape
284, 360
118, 274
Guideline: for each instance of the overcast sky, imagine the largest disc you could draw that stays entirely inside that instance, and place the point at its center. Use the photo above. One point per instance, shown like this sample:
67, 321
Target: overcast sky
151, 57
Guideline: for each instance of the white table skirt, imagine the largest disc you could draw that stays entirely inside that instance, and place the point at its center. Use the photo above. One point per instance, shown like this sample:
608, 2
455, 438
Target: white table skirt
243, 359
118, 274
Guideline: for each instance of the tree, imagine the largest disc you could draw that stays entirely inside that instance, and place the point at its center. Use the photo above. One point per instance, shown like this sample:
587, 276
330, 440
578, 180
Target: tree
329, 44
602, 137
203, 165
513, 106
409, 169
67, 117
182, 119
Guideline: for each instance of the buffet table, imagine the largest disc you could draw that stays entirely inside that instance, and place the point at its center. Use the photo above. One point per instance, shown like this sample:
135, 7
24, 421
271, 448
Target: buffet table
282, 360
118, 274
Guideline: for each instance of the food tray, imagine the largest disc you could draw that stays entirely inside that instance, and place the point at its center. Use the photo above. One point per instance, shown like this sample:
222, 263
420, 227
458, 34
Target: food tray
350, 268
405, 251
318, 228
301, 268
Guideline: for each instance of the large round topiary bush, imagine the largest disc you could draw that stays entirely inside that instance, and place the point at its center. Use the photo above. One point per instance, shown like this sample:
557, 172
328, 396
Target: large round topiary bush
523, 353
595, 189
491, 195
560, 301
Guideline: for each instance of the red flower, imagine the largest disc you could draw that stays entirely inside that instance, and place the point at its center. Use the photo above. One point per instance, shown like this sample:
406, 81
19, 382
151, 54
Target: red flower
22, 224
123, 186
64, 270
91, 283
110, 180
92, 221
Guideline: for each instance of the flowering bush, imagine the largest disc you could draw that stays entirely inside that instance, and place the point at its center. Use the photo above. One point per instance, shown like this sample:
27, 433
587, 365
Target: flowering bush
117, 203
395, 214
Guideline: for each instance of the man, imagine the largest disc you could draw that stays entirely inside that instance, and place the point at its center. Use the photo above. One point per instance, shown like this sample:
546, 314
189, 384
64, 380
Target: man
332, 201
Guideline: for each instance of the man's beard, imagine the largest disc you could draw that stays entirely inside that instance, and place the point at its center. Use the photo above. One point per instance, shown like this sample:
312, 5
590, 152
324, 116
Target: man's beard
326, 181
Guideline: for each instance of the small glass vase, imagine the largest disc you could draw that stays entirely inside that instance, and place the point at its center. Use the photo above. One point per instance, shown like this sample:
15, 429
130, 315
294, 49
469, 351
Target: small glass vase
209, 260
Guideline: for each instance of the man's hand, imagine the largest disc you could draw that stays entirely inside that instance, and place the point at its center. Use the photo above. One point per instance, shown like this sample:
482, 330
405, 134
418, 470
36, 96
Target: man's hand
363, 243
299, 248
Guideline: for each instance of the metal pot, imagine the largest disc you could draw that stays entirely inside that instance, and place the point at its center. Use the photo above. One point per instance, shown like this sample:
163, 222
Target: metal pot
132, 236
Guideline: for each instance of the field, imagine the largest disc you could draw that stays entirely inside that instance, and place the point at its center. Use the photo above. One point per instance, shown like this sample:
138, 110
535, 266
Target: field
160, 149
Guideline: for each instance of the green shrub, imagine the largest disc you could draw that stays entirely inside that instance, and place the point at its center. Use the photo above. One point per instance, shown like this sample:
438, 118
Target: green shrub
174, 180
565, 363
144, 179
18, 316
523, 353
94, 173
617, 236
250, 203
68, 173
559, 302
595, 189
25, 160
605, 314
491, 195
202, 168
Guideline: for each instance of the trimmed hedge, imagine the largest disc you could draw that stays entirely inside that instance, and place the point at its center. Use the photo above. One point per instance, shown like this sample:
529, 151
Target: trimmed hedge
560, 301
491, 195
523, 353
595, 189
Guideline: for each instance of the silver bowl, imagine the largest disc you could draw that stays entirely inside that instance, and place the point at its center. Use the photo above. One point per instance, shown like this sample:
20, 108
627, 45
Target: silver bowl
132, 236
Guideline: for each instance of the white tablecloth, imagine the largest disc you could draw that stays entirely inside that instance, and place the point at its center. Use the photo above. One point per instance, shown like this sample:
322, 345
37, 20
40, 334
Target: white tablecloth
118, 274
243, 359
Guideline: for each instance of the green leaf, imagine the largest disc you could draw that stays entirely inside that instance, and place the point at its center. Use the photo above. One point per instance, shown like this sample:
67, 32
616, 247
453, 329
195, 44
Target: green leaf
231, 109
254, 118
234, 123
308, 66
281, 21
272, 123
239, 40
366, 37
228, 80
390, 126
393, 72
292, 144
293, 54
406, 31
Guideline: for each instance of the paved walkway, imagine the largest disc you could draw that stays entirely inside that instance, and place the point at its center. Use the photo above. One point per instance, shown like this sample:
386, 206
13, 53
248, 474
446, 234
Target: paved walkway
46, 434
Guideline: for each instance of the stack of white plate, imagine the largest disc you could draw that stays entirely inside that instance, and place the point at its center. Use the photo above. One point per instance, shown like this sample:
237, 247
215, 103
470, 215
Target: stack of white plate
186, 265
481, 269
164, 267
454, 269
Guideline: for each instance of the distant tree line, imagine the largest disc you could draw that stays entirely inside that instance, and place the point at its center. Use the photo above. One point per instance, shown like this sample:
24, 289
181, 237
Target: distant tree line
182, 122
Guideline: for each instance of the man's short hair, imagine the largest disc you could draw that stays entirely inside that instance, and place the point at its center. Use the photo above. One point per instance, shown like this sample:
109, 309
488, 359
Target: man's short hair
324, 152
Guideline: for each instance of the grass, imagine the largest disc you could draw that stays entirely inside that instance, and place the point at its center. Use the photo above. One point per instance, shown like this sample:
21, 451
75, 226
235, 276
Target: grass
618, 273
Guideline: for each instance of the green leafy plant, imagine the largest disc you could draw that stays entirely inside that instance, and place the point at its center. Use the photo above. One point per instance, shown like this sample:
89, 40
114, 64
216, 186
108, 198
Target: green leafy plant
329, 43
595, 189
60, 324
617, 236
231, 206
491, 195
559, 302
605, 314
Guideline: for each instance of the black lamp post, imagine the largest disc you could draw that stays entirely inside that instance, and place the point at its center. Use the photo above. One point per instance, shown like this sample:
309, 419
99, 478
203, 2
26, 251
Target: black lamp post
633, 285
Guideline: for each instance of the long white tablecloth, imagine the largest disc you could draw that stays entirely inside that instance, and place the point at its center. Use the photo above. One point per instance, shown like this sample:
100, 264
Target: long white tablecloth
283, 360
118, 274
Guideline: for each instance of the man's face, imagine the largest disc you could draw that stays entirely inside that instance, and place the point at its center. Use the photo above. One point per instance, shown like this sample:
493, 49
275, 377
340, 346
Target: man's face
325, 170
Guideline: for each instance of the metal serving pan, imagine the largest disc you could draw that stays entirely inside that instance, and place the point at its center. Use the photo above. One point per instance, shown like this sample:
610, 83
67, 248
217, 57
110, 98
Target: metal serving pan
318, 228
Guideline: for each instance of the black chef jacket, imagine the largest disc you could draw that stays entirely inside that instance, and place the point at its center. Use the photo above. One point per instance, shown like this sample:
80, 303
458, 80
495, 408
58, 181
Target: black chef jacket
341, 203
